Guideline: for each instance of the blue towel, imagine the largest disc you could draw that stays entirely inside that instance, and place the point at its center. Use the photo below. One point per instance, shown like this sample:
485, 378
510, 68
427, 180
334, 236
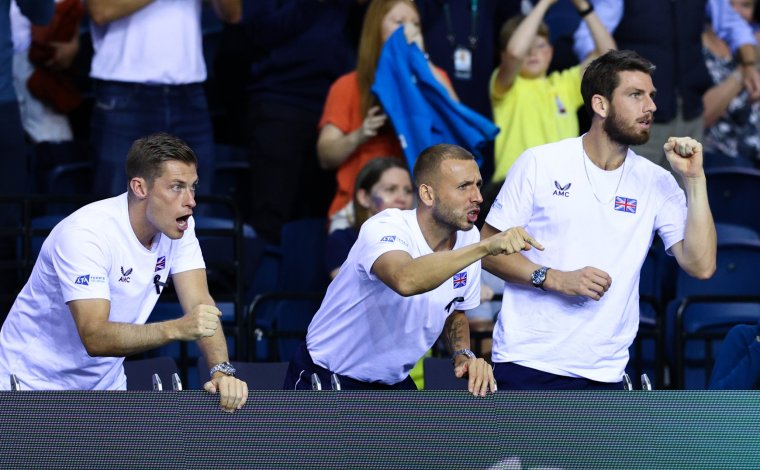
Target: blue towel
420, 108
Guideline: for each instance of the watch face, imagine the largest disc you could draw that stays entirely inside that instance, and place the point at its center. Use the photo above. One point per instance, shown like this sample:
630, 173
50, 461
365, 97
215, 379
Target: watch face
538, 277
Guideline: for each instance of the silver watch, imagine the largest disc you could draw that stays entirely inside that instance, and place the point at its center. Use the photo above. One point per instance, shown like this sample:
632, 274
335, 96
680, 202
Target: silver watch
462, 352
225, 368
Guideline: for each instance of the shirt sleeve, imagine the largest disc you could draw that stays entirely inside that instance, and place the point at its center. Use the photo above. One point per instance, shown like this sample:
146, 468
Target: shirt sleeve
378, 236
339, 105
729, 25
513, 205
610, 12
81, 261
670, 221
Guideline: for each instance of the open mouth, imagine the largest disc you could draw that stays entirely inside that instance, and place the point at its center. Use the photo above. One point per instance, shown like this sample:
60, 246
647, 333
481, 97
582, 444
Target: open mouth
182, 222
472, 216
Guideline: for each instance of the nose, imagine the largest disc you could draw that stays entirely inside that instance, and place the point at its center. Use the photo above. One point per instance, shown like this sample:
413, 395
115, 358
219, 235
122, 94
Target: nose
190, 198
650, 106
477, 196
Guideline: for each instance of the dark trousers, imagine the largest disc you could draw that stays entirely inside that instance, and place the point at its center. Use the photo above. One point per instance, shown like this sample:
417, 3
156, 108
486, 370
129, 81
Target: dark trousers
510, 376
124, 112
301, 367
286, 180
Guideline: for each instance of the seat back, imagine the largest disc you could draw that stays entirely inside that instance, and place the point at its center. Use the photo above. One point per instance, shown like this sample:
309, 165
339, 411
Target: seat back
705, 310
258, 375
439, 375
140, 372
730, 190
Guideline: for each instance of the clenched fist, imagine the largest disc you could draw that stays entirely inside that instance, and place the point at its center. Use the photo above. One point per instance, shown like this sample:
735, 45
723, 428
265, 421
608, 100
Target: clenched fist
200, 322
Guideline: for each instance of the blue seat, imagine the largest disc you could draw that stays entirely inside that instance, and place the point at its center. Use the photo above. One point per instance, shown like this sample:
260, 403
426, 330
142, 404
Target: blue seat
731, 192
258, 375
704, 311
439, 375
140, 372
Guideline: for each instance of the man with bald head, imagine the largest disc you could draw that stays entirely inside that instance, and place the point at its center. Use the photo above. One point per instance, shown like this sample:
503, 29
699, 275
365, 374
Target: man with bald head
410, 275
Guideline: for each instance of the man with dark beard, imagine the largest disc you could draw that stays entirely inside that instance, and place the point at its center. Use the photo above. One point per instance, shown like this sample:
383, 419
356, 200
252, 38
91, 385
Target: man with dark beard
595, 204
409, 276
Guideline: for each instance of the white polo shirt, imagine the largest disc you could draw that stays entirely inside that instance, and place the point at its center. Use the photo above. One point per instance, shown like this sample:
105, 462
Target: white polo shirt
368, 332
91, 254
548, 192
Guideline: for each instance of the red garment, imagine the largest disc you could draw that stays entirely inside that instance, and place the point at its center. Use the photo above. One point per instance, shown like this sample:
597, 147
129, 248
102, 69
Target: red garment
52, 87
343, 110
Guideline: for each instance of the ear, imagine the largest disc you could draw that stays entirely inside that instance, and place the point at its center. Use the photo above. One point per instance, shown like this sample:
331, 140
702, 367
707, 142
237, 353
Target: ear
427, 195
363, 198
139, 187
600, 105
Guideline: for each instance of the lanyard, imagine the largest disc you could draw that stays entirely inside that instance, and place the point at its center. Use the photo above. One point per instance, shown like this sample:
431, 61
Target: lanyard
473, 37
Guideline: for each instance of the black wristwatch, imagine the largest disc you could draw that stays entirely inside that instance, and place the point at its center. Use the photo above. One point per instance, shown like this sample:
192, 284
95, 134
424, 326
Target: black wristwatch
539, 277
225, 368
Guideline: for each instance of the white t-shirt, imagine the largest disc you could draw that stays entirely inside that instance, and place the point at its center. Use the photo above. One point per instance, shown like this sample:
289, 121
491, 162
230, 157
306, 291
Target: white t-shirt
548, 192
91, 254
368, 332
161, 43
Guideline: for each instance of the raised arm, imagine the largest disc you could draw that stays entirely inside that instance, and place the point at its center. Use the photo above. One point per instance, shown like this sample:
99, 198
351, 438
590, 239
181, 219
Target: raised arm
603, 40
609, 12
193, 294
519, 46
105, 11
696, 253
411, 276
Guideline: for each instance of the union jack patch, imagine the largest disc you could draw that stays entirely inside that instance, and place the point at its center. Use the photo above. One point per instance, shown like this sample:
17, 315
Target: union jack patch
625, 204
460, 279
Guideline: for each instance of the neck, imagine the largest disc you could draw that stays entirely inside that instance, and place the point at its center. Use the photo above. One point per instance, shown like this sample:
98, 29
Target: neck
602, 151
438, 237
139, 223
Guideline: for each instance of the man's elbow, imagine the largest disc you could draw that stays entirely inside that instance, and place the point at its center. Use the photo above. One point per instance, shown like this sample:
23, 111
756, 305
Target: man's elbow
703, 273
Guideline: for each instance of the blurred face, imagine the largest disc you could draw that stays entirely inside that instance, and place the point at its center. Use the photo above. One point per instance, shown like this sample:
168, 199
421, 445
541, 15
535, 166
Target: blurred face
171, 199
457, 194
393, 190
744, 8
539, 57
631, 111
399, 15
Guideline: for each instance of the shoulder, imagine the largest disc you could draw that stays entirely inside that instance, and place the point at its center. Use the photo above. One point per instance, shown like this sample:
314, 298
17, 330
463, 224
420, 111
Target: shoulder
554, 152
347, 80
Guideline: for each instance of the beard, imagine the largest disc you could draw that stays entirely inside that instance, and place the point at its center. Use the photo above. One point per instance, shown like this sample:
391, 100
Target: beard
445, 215
622, 134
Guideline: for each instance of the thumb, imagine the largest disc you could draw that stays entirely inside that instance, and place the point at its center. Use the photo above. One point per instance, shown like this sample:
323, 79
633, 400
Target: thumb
210, 387
460, 370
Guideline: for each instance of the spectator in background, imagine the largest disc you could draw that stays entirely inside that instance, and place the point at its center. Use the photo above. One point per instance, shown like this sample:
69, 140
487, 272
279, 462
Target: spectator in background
42, 122
298, 48
13, 179
381, 184
737, 366
148, 71
731, 117
530, 107
669, 34
353, 127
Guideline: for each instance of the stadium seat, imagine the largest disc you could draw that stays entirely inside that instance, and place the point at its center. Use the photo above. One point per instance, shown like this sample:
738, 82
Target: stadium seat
140, 372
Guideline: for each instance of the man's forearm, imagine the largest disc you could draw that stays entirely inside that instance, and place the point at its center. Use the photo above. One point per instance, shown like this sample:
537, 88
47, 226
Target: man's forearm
457, 331
124, 339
